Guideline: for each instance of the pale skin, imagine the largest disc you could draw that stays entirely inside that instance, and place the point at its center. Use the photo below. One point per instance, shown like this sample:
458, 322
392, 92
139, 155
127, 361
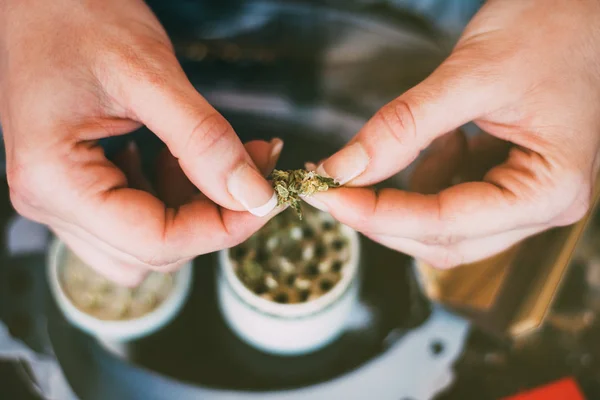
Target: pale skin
75, 71
526, 71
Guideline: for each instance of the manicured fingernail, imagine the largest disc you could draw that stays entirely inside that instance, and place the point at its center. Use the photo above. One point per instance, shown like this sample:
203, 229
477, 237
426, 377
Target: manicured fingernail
276, 147
248, 187
266, 208
315, 203
346, 164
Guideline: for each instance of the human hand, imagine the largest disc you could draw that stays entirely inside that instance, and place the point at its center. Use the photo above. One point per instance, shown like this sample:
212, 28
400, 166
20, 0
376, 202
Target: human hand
72, 72
527, 72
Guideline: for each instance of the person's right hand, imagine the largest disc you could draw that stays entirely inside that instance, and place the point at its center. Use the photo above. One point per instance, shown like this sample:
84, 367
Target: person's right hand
72, 72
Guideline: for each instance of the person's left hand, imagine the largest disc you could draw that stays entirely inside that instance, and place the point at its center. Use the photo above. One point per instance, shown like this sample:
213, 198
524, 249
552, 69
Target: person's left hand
527, 73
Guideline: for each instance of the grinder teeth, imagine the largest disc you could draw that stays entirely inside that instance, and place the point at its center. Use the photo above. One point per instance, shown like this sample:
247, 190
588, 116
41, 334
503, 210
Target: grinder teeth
293, 261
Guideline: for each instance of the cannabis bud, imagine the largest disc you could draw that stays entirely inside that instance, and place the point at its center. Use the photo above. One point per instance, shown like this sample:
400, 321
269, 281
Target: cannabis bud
290, 185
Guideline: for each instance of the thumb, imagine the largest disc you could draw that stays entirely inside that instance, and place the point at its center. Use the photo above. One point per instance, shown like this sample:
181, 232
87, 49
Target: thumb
450, 97
209, 151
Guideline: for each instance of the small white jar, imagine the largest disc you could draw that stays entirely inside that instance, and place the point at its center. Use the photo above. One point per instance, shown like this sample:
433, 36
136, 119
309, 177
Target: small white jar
114, 333
289, 329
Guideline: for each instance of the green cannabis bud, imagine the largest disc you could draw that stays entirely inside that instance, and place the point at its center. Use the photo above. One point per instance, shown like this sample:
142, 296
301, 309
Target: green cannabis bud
290, 185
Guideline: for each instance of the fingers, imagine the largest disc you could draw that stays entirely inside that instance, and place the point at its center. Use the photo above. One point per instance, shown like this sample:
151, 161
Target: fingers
452, 159
174, 189
197, 225
465, 252
463, 211
172, 185
137, 223
447, 161
264, 154
456, 93
85, 192
118, 271
113, 264
209, 152
470, 220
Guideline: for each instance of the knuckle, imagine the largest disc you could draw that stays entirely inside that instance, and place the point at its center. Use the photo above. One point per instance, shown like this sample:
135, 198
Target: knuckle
19, 204
18, 180
165, 252
578, 212
570, 199
441, 223
209, 131
23, 183
578, 209
145, 69
144, 61
371, 219
153, 76
398, 119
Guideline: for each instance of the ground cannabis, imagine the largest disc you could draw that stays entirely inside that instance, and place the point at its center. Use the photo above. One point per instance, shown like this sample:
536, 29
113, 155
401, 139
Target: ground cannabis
103, 299
292, 261
290, 185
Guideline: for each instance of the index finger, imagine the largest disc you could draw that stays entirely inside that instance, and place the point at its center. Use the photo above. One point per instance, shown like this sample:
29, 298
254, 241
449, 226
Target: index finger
86, 192
196, 227
137, 223
467, 210
158, 94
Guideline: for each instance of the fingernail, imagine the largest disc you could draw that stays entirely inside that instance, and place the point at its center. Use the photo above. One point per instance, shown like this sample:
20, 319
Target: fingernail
346, 164
247, 186
315, 203
276, 147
